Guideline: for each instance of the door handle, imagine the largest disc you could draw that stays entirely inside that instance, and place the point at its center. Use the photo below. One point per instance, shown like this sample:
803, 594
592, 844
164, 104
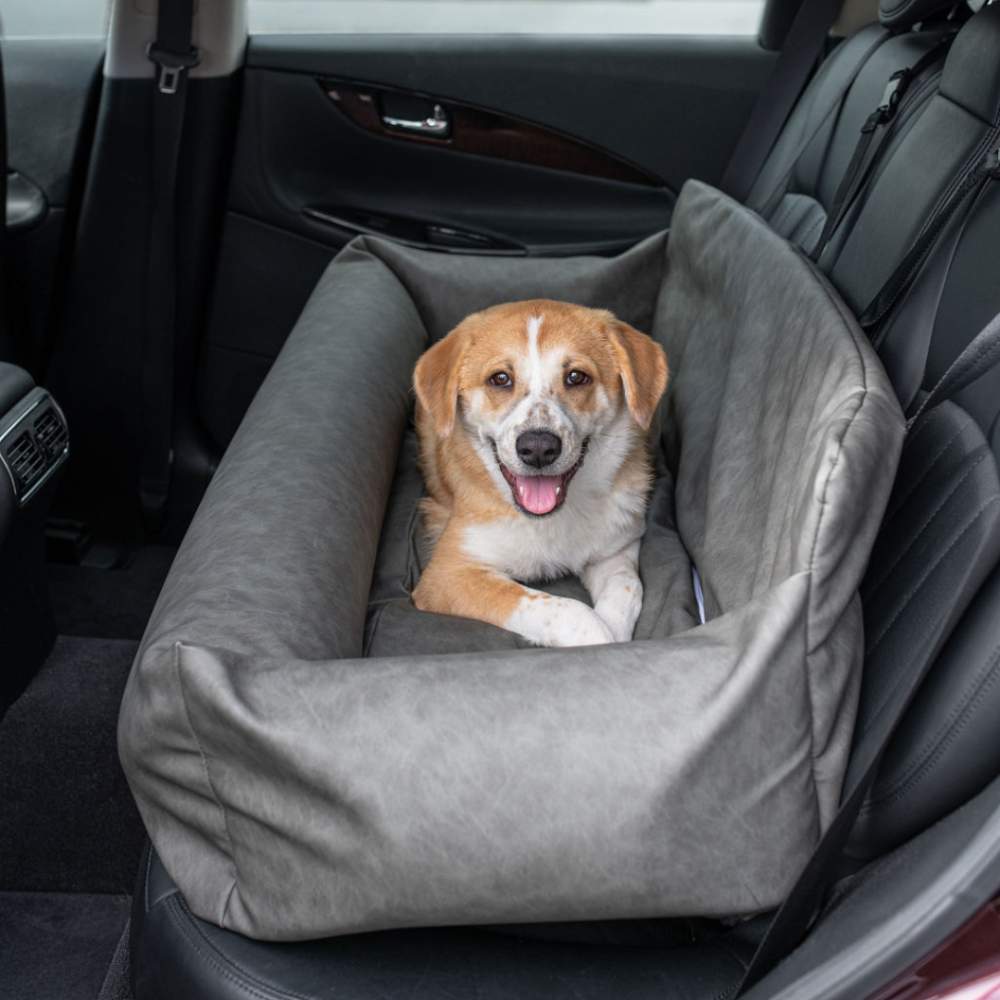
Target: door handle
437, 124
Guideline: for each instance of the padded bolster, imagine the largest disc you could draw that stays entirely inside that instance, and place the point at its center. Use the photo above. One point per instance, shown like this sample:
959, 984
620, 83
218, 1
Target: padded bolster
970, 76
902, 14
290, 524
286, 533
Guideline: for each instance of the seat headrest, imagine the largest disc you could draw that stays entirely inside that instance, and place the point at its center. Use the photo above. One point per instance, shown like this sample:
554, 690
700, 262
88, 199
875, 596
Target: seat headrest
971, 75
901, 14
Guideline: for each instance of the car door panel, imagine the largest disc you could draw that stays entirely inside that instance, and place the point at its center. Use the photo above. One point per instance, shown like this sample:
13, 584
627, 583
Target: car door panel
555, 146
50, 88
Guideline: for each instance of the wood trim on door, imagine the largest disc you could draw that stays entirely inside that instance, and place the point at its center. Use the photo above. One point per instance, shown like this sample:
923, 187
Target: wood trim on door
482, 132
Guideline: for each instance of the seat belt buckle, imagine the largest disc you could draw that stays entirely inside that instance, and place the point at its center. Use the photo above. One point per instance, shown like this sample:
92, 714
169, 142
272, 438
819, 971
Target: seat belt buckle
894, 89
171, 65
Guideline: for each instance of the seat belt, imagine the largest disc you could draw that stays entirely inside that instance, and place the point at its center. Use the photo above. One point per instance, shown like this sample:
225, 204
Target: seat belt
802, 50
878, 125
985, 168
766, 202
173, 55
794, 917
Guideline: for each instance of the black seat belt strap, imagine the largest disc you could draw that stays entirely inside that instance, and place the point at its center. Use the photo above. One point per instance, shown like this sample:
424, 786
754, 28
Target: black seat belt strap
173, 55
793, 919
804, 46
765, 202
981, 355
985, 167
878, 126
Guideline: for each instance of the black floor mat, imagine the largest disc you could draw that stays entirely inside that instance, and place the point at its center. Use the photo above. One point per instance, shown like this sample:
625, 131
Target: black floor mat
67, 819
57, 946
111, 603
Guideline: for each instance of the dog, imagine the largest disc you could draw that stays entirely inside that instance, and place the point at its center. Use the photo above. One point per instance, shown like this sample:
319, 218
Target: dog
533, 422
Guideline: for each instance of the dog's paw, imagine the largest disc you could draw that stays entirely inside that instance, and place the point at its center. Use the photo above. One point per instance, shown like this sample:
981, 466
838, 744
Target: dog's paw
558, 621
619, 609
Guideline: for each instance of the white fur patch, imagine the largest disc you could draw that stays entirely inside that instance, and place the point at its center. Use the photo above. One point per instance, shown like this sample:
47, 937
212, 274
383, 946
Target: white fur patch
535, 382
558, 621
594, 521
615, 586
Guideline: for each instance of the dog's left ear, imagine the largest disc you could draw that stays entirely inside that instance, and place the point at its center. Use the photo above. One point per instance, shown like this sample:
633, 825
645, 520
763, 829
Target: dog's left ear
435, 381
643, 367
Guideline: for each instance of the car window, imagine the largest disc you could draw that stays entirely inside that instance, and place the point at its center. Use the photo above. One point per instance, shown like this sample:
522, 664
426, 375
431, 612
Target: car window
619, 17
54, 18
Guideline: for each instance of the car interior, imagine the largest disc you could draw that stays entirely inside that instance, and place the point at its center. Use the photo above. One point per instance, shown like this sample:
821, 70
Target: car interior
156, 260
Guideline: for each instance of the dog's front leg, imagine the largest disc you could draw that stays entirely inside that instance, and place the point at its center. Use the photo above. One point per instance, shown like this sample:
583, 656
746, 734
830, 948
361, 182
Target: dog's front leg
470, 590
616, 590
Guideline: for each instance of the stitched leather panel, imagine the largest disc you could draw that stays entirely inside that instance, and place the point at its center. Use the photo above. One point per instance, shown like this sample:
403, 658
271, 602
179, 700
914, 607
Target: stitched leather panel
939, 540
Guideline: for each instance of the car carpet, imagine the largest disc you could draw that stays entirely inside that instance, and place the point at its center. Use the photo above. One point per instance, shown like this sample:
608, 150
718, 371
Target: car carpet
68, 822
57, 946
112, 603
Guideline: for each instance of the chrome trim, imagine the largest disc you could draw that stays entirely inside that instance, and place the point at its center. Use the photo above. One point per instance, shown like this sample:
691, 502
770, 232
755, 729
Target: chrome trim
21, 415
437, 125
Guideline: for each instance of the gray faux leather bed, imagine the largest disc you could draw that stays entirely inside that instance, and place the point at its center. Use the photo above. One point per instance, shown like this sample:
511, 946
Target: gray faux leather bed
313, 756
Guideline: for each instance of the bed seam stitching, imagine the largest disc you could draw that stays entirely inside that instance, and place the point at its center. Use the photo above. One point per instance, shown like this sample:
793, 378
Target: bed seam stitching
208, 778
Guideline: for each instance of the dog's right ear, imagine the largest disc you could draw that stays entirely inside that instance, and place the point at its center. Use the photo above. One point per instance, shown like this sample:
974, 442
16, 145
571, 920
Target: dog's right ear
436, 381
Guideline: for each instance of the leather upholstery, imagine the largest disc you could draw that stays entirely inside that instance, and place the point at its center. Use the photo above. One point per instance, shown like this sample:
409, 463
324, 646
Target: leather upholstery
15, 384
939, 542
945, 136
176, 955
798, 184
901, 14
970, 78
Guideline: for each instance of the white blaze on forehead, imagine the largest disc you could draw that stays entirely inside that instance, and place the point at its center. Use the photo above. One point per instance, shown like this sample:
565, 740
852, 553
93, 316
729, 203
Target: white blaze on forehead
535, 381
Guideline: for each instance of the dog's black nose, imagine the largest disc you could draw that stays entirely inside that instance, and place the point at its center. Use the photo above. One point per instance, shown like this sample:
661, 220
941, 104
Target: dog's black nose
538, 448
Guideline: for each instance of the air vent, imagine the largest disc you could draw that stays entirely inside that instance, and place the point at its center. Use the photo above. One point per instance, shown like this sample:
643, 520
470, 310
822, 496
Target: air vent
27, 461
51, 432
34, 442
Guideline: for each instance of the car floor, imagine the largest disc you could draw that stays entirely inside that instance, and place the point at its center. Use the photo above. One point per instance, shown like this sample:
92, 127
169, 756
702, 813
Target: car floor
70, 835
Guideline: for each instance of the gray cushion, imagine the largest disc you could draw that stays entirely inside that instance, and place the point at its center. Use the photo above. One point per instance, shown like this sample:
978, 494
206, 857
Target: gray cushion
295, 788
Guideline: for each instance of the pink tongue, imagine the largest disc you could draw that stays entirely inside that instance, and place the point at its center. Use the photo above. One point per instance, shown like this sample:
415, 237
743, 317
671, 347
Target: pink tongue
538, 494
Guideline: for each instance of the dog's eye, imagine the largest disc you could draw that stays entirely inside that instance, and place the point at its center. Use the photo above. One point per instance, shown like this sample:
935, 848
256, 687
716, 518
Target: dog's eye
575, 377
501, 380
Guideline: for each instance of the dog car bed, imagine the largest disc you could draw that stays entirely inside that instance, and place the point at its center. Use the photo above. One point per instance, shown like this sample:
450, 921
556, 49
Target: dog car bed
296, 787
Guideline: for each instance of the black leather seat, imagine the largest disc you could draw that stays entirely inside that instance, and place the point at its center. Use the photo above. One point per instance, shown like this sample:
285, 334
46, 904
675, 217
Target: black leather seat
937, 548
796, 188
176, 955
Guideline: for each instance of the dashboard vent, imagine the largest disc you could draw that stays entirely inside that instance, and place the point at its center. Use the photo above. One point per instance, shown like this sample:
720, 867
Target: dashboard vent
34, 442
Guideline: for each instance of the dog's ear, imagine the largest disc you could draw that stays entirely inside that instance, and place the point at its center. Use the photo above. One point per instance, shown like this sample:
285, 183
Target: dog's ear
435, 381
643, 367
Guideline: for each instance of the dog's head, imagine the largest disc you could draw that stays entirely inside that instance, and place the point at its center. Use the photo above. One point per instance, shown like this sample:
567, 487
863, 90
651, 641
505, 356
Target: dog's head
538, 385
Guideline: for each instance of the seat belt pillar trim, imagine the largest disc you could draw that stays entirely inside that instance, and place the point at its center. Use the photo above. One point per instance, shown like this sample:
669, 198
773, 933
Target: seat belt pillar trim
172, 65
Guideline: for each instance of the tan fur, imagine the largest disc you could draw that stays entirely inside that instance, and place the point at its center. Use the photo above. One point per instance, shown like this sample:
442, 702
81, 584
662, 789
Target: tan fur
627, 370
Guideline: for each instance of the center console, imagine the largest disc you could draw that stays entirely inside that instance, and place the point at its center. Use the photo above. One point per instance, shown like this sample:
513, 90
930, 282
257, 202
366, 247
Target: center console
34, 444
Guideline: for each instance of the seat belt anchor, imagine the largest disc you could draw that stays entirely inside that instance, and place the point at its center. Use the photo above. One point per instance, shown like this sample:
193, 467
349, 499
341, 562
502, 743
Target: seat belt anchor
172, 65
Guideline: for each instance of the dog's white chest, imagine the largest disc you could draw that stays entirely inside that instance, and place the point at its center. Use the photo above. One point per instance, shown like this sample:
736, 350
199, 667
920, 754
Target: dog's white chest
588, 527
